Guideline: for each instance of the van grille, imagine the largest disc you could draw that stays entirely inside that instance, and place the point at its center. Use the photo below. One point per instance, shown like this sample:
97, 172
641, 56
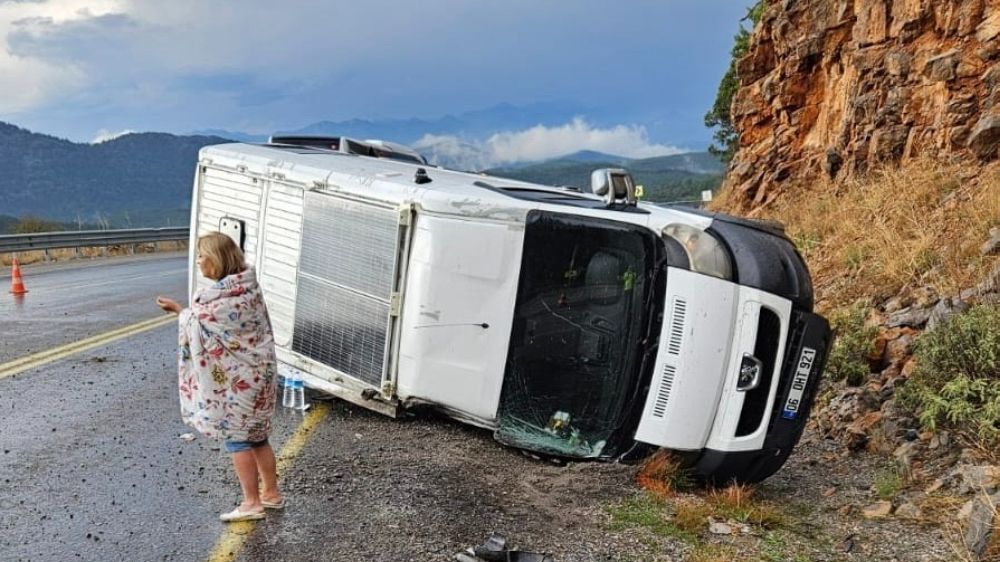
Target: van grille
345, 281
677, 320
663, 392
765, 350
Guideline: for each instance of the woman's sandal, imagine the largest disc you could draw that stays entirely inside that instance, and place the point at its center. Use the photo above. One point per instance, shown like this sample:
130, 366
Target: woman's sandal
238, 515
273, 505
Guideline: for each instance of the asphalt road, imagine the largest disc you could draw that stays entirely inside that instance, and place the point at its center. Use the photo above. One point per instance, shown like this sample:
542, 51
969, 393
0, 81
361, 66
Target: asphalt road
73, 300
92, 466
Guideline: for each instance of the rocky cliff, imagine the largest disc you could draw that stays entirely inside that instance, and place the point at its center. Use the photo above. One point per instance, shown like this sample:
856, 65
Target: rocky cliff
831, 88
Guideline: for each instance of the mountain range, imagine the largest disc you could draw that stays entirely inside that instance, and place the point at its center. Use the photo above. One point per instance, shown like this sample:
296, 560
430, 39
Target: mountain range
140, 179
471, 124
678, 177
145, 179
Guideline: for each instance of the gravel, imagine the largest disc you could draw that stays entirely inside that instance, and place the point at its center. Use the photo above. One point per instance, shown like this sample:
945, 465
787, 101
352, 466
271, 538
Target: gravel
424, 488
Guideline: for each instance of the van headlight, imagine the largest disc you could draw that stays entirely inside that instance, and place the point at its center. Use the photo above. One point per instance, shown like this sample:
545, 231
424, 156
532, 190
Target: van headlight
706, 254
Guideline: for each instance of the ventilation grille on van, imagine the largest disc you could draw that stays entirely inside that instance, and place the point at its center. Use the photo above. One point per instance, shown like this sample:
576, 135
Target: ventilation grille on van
345, 281
663, 392
677, 327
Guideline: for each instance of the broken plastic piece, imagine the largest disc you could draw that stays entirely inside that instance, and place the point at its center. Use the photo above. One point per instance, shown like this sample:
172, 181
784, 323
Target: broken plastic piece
495, 550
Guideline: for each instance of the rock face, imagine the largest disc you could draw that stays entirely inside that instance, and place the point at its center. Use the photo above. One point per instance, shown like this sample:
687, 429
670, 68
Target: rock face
834, 87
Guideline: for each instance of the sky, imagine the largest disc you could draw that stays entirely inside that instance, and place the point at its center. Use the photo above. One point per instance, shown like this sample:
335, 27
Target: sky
638, 73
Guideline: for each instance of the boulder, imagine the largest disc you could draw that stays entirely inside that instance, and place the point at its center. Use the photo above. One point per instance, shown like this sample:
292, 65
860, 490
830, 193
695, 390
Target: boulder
944, 310
942, 68
909, 511
991, 246
985, 137
976, 479
878, 510
912, 316
981, 524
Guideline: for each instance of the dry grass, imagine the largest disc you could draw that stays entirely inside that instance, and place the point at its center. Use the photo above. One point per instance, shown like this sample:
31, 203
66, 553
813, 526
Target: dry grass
662, 475
956, 539
875, 235
737, 502
692, 517
65, 254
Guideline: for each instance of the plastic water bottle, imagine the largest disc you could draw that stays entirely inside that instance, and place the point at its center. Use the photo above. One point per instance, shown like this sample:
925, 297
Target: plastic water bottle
298, 393
286, 390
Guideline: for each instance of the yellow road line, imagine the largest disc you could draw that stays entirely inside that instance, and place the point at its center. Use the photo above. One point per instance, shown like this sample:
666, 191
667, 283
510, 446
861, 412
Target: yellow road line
43, 357
232, 539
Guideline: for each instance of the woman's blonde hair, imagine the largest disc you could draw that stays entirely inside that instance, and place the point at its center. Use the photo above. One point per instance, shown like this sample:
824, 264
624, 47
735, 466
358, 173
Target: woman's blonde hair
223, 255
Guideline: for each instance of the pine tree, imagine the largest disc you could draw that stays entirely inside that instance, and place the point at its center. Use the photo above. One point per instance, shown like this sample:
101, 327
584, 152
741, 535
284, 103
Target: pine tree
726, 139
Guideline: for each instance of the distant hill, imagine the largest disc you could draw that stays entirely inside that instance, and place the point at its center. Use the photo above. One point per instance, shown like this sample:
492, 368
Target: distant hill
593, 156
471, 124
134, 180
7, 223
678, 177
144, 179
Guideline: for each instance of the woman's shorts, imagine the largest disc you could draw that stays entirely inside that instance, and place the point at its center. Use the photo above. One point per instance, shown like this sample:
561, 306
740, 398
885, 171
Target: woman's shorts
240, 446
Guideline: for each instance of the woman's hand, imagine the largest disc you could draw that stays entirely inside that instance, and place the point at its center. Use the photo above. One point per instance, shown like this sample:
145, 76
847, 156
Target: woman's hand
170, 305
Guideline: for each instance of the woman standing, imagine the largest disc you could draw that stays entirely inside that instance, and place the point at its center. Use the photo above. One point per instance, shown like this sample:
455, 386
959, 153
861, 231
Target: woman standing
227, 370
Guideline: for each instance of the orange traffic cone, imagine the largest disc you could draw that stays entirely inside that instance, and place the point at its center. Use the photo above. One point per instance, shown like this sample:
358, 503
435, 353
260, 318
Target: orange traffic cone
16, 283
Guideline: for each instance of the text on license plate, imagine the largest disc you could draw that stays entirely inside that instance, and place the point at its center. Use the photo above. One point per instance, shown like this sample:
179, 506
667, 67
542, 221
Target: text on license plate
802, 370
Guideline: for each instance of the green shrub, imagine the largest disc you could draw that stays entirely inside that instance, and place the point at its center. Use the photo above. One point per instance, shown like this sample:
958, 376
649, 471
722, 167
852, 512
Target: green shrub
957, 379
854, 342
888, 482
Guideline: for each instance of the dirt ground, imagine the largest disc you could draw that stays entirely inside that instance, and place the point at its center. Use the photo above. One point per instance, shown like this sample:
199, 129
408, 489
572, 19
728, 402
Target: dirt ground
425, 488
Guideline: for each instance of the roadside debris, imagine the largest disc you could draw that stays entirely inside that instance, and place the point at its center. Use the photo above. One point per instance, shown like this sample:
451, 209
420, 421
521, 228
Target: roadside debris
495, 550
186, 436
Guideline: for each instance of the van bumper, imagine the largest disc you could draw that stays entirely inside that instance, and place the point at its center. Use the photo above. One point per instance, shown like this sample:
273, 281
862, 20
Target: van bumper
808, 332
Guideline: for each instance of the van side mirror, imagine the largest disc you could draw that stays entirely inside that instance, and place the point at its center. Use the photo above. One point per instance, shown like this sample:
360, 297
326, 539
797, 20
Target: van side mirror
614, 185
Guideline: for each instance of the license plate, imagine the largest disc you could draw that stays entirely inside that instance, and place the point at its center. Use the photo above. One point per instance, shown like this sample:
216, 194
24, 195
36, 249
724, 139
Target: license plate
794, 400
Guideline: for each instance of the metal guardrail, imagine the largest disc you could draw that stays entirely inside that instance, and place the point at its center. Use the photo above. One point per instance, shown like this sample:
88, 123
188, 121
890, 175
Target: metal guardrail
88, 238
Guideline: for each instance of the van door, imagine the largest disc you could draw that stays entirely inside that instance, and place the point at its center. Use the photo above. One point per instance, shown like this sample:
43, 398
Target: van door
587, 313
349, 277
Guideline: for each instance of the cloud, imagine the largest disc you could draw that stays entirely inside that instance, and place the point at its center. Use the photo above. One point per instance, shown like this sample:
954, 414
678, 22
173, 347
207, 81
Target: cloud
541, 143
105, 135
31, 79
79, 65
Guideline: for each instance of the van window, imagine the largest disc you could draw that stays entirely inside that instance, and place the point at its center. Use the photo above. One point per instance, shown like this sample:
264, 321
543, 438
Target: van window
582, 321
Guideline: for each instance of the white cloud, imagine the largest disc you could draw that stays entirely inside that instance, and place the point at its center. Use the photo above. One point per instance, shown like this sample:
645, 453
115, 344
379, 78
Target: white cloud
77, 65
105, 135
541, 143
29, 81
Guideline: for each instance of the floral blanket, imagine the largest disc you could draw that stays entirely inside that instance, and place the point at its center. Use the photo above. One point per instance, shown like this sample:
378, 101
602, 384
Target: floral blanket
227, 367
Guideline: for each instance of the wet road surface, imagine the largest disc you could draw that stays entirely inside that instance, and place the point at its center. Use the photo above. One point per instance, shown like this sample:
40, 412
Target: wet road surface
70, 301
92, 466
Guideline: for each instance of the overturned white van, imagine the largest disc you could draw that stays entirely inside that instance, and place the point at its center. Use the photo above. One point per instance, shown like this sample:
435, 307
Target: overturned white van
573, 323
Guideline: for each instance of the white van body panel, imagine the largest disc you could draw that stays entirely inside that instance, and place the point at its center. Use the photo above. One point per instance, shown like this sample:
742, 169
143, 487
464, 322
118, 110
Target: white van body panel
456, 321
692, 362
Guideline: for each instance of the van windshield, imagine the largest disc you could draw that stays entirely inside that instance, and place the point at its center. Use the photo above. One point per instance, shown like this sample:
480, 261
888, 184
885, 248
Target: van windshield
588, 297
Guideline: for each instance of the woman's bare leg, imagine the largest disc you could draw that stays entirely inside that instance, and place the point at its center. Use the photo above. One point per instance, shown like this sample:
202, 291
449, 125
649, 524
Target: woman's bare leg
245, 464
267, 468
